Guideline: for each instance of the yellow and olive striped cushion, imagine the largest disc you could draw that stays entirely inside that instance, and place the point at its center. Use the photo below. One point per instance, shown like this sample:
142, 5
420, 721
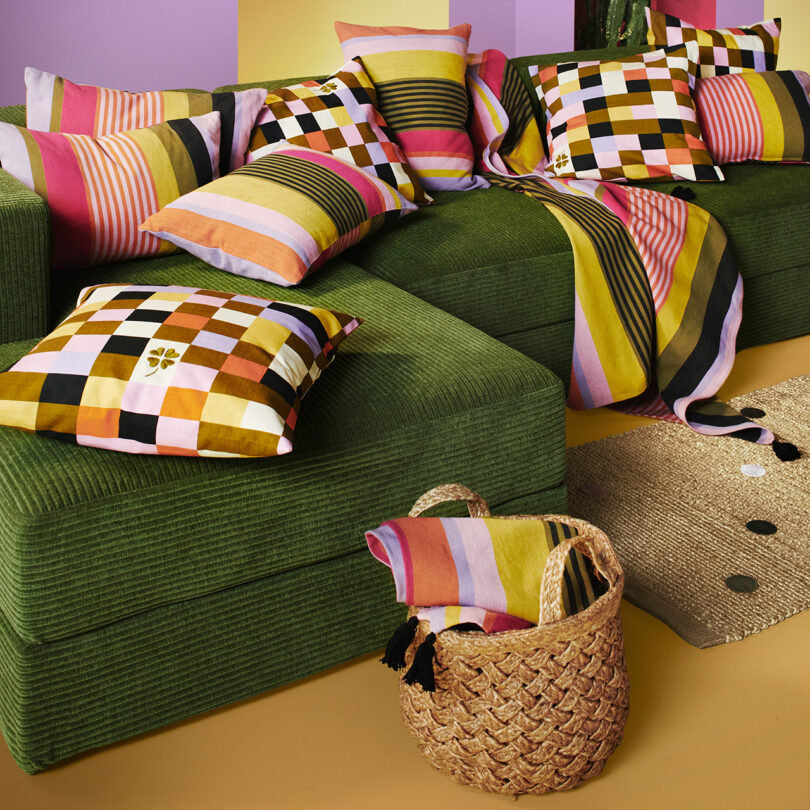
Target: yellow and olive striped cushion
99, 190
419, 76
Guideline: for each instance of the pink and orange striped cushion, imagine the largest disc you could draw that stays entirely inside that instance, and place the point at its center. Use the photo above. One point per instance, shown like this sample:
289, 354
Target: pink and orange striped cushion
99, 190
763, 117
282, 216
420, 79
55, 104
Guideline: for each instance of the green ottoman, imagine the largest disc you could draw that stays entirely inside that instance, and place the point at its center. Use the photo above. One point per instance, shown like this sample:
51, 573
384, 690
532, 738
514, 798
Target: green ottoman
135, 590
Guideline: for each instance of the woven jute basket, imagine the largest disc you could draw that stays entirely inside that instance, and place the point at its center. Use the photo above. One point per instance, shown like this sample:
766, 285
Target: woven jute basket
526, 711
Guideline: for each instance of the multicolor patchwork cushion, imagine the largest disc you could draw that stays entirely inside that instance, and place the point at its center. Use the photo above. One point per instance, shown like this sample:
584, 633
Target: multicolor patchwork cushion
722, 50
173, 371
756, 116
99, 190
338, 116
55, 104
625, 119
281, 217
419, 76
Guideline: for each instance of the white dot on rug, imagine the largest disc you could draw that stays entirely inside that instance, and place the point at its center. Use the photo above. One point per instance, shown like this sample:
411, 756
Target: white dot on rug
754, 470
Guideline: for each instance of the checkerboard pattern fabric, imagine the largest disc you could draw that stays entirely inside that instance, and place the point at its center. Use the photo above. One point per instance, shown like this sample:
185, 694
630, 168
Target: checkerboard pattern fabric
756, 116
722, 50
173, 371
99, 190
281, 217
338, 116
419, 76
56, 104
625, 119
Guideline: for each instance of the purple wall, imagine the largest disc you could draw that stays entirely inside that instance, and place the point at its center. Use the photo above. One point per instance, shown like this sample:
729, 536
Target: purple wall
517, 27
135, 45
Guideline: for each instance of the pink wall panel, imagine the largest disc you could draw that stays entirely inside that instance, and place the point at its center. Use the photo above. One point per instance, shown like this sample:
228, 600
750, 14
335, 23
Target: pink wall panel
143, 45
517, 27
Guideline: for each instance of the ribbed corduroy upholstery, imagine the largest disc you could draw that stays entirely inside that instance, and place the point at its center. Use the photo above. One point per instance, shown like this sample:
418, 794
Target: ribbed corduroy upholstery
413, 399
63, 697
24, 261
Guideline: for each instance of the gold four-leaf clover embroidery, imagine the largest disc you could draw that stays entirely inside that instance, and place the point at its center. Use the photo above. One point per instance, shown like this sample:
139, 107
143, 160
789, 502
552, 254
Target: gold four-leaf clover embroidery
161, 358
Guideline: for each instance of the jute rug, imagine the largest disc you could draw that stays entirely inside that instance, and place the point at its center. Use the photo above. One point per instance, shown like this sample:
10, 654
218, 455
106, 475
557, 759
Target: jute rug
713, 532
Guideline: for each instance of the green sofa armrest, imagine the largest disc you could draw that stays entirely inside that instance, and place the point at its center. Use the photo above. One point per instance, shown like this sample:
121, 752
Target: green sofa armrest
24, 261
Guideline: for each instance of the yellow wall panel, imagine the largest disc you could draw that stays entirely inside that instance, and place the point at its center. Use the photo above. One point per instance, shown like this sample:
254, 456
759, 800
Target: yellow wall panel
284, 38
795, 14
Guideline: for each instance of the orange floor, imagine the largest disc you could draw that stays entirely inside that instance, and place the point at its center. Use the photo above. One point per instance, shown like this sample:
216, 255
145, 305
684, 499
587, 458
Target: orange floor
727, 727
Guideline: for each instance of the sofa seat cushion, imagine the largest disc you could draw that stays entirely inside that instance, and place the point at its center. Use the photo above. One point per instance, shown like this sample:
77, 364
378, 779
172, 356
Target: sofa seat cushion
91, 536
503, 263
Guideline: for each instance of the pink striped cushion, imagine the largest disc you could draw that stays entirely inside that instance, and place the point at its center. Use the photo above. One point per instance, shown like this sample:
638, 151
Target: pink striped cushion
99, 190
763, 117
55, 104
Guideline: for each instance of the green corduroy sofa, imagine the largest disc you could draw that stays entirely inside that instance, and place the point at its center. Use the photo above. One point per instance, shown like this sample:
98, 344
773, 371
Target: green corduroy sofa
135, 590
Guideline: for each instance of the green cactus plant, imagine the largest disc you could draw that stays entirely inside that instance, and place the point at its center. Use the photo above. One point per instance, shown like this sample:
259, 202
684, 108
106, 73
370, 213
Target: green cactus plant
610, 23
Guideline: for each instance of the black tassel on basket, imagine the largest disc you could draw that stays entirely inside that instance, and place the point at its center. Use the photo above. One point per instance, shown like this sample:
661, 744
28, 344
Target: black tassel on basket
421, 670
785, 451
399, 642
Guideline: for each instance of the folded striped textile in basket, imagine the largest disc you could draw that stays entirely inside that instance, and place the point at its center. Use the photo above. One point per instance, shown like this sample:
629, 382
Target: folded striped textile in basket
658, 298
481, 571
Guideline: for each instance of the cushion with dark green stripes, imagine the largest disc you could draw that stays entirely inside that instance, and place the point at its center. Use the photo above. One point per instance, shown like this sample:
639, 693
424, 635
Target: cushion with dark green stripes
281, 217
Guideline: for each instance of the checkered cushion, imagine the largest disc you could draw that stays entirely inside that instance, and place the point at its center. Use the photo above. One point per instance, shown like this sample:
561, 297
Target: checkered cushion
173, 371
625, 119
338, 116
722, 50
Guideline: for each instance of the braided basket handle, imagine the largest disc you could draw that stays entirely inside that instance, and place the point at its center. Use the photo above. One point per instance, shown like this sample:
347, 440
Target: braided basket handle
476, 505
593, 543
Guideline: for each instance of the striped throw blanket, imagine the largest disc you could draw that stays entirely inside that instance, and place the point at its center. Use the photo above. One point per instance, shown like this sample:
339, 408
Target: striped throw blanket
658, 298
482, 571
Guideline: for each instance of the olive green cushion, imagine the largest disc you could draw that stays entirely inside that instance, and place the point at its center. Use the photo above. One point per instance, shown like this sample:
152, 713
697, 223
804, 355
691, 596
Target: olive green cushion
414, 398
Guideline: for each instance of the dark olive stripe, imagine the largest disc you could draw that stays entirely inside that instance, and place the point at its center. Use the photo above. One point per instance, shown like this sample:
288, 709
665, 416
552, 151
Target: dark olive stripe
704, 354
570, 601
800, 101
195, 146
517, 105
419, 103
341, 202
225, 105
618, 260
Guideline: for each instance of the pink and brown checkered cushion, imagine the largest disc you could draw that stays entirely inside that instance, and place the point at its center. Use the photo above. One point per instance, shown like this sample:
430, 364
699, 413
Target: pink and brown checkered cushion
625, 119
722, 50
173, 371
338, 116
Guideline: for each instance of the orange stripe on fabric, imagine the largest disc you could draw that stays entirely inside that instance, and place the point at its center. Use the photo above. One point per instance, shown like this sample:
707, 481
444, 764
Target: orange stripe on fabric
434, 570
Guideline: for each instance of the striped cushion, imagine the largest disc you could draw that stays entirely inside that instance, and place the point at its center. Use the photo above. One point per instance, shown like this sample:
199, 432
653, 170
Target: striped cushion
419, 75
99, 190
722, 50
55, 104
173, 371
756, 116
338, 116
281, 217
625, 119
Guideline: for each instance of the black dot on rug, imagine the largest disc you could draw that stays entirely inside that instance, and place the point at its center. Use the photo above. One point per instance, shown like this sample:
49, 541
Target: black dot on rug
752, 413
760, 527
739, 583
